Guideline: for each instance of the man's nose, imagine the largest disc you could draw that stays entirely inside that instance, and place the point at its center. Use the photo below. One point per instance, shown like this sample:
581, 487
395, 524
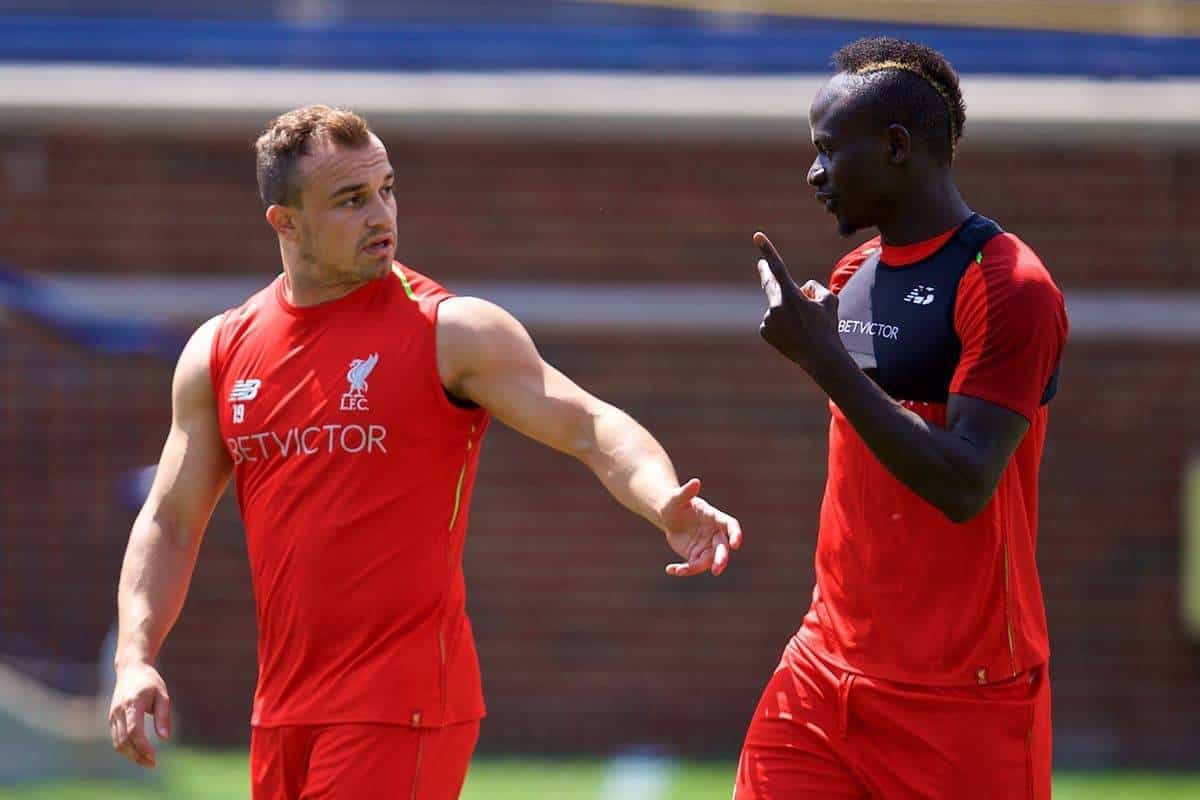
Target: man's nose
816, 174
380, 213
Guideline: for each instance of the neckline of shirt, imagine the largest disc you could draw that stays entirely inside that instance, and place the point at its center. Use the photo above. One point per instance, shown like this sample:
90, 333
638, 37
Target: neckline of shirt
320, 310
903, 255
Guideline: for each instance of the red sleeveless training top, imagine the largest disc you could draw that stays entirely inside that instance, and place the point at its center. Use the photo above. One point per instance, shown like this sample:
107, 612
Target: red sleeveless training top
354, 474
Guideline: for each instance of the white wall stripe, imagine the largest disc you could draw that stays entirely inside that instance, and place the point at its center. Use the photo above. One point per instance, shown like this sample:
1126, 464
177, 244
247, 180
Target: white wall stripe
185, 101
690, 308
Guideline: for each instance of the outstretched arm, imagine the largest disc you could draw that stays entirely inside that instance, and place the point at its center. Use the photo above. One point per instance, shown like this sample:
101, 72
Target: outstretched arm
192, 473
487, 357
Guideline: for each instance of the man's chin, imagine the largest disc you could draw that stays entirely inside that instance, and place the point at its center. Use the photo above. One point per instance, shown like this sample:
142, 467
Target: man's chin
377, 266
846, 228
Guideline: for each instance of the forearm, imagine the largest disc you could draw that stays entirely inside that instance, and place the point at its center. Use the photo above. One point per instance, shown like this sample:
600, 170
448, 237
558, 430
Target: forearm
154, 580
630, 463
939, 465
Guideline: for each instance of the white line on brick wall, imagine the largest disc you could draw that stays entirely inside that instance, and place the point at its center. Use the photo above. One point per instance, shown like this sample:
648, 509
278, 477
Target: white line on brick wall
704, 308
163, 97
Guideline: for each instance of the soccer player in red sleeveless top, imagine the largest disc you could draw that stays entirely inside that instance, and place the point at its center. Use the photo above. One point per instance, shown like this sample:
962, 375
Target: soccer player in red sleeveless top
348, 400
920, 670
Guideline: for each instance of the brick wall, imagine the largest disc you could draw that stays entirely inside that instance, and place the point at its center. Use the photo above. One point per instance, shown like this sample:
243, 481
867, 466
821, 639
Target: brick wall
1100, 215
586, 646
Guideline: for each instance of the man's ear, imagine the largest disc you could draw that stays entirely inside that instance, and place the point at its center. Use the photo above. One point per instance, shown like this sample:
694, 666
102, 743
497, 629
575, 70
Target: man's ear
899, 142
283, 220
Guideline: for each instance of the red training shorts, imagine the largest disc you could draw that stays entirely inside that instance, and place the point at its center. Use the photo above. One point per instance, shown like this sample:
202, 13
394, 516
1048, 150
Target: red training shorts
356, 761
825, 734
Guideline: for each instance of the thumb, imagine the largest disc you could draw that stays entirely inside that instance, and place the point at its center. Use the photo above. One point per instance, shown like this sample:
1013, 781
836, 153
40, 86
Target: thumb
775, 263
162, 714
821, 295
689, 490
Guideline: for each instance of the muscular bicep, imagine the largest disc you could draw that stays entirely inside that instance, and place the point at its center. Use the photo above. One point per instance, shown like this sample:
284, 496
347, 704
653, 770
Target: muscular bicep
990, 432
194, 466
486, 356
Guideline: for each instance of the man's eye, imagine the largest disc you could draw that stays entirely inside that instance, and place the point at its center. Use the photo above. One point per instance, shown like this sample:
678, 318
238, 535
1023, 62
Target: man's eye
388, 189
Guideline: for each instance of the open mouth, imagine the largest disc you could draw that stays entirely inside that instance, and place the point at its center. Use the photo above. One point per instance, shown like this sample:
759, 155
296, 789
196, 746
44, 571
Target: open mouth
830, 201
379, 246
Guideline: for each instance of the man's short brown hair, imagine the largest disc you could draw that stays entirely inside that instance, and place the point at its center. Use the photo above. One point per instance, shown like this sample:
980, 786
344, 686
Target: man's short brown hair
286, 140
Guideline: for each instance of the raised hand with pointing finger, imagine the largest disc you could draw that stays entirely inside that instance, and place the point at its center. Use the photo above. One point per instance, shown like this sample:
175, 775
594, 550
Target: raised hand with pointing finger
801, 321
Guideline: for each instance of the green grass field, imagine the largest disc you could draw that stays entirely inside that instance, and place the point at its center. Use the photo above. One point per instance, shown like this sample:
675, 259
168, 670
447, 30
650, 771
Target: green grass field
198, 775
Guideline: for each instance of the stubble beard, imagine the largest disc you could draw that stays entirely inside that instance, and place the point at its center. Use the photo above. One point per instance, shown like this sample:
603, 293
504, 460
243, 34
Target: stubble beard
330, 273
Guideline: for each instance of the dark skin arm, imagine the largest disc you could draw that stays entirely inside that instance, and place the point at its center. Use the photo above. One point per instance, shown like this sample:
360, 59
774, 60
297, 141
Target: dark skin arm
956, 468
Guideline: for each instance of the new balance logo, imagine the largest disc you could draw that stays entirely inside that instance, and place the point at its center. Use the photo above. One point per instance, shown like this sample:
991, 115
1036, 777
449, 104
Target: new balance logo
920, 295
245, 390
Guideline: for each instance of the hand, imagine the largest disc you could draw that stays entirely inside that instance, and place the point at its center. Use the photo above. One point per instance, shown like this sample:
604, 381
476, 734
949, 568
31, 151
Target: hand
140, 690
698, 532
801, 321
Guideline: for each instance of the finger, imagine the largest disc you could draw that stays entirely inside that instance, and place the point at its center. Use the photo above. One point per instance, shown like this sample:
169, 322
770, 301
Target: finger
769, 285
146, 756
720, 555
131, 753
119, 731
137, 746
123, 744
694, 566
725, 525
162, 714
681, 570
775, 262
733, 529
135, 725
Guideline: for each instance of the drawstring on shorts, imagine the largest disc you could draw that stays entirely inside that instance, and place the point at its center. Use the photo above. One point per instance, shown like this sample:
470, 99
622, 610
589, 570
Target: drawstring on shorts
844, 684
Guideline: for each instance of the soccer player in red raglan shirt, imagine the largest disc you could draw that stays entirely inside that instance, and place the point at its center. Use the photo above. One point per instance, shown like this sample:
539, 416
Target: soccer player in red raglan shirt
348, 400
920, 670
